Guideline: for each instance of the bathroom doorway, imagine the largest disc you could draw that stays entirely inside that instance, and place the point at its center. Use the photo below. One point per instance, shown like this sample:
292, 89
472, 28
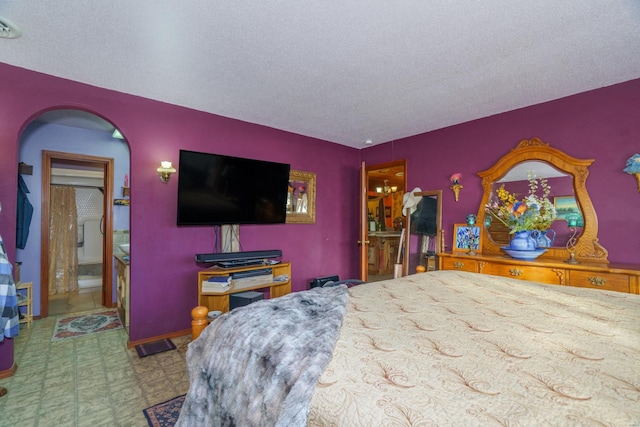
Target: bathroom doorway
89, 179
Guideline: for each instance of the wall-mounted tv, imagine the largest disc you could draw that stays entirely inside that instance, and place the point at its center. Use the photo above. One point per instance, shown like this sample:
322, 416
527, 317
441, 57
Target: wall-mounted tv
215, 189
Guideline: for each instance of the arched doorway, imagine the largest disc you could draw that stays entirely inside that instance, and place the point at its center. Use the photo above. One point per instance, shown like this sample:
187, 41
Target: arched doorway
82, 142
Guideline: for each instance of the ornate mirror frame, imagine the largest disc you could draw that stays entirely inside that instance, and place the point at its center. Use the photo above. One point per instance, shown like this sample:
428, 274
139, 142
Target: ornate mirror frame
306, 180
587, 247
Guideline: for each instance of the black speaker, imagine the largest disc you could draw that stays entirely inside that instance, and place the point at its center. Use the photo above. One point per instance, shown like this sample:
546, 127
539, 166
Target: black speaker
238, 256
321, 281
244, 298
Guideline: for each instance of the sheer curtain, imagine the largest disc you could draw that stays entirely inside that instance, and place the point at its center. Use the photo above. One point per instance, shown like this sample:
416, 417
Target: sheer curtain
63, 240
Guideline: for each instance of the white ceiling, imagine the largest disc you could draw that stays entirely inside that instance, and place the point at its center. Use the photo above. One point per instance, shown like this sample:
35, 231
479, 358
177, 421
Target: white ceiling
342, 71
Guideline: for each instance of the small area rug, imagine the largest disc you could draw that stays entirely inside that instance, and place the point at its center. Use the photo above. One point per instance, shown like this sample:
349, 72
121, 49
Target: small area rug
87, 323
155, 347
164, 414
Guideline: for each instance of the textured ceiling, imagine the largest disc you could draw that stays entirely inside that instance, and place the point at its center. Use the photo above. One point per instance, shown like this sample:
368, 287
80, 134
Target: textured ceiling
342, 71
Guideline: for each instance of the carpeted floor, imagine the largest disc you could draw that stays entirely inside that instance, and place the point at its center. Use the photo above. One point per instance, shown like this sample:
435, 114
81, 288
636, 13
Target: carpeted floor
86, 323
164, 414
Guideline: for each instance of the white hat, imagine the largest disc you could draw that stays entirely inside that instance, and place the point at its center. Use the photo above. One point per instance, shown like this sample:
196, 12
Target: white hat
409, 200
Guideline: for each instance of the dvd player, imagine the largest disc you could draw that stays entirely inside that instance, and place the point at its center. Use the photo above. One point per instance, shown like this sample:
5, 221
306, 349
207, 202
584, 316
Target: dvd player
240, 263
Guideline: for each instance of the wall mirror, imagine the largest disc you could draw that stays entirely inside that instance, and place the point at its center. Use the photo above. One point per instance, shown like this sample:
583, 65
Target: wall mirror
566, 176
424, 237
301, 200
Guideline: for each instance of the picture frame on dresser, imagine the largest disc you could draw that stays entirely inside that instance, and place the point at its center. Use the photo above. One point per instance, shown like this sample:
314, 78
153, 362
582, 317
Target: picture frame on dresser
467, 238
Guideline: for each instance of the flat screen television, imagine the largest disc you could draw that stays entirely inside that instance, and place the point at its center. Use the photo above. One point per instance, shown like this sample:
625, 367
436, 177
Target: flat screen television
214, 189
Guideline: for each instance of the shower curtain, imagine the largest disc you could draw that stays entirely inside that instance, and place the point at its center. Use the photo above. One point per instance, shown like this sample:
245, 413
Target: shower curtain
63, 240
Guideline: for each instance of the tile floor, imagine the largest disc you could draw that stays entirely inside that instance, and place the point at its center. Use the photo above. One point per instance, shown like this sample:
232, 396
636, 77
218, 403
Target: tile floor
75, 302
93, 380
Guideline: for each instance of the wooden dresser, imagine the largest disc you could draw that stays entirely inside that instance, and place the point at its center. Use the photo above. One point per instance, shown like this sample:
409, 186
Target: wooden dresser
612, 277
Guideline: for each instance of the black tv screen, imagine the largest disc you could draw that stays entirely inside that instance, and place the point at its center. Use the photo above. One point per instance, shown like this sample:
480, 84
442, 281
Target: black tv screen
214, 189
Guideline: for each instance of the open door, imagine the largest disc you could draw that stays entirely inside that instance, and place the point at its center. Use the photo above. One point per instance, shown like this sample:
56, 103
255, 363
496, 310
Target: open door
49, 159
363, 239
381, 189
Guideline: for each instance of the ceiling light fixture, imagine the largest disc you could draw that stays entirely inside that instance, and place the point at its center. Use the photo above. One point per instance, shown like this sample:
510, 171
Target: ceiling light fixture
8, 30
387, 189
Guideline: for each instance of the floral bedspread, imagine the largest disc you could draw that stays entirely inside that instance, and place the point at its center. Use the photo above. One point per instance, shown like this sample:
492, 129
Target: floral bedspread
451, 348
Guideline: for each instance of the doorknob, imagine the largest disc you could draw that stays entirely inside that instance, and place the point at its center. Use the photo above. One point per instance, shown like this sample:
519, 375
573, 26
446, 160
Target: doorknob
366, 242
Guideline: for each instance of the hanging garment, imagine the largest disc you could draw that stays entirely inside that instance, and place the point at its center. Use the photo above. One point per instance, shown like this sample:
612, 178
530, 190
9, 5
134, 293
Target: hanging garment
9, 321
25, 212
63, 240
424, 220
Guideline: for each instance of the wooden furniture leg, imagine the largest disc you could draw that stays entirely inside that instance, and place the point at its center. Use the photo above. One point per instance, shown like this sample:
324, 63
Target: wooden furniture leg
199, 321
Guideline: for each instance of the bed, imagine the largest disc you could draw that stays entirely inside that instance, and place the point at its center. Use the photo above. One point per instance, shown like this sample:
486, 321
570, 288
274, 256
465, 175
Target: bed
440, 348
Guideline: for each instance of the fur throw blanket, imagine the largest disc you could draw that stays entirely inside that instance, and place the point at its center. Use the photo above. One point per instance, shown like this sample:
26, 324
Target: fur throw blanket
258, 365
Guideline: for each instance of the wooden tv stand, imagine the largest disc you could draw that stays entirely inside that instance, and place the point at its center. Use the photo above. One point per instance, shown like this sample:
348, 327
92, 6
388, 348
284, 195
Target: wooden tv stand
220, 300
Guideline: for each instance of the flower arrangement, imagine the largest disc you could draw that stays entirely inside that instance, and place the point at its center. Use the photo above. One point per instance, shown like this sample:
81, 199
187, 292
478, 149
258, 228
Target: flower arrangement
530, 213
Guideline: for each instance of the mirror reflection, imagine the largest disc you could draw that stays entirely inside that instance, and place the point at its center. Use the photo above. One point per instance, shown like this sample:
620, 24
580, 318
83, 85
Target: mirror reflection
301, 198
298, 199
424, 240
385, 188
516, 181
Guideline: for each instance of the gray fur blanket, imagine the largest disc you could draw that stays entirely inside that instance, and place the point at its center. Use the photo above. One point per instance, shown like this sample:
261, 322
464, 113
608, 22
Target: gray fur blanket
258, 365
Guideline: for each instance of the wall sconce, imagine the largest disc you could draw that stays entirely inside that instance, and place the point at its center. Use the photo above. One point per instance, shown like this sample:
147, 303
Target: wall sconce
165, 170
455, 184
387, 189
633, 168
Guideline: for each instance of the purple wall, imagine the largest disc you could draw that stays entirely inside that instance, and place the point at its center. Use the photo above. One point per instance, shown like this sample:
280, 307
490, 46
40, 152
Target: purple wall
163, 271
603, 124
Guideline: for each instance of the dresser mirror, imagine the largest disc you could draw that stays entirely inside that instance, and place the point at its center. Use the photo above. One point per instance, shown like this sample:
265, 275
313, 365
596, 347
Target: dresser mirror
566, 177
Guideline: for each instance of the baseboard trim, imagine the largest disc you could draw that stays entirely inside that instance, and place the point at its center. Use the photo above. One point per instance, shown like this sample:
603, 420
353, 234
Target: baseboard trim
176, 334
9, 372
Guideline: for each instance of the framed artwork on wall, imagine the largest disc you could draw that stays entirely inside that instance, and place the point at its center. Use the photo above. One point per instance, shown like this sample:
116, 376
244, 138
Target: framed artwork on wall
301, 203
467, 238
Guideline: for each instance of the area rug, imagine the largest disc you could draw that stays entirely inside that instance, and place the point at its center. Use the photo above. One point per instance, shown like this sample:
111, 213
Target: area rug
155, 347
164, 414
87, 323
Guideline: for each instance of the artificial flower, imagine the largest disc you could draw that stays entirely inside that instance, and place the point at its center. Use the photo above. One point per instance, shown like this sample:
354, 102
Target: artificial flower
530, 213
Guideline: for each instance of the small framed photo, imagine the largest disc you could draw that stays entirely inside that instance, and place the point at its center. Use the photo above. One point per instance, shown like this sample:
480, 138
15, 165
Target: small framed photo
467, 238
387, 211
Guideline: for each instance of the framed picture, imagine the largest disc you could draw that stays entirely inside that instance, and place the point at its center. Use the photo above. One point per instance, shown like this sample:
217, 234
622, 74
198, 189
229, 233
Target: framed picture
301, 201
467, 238
564, 206
387, 211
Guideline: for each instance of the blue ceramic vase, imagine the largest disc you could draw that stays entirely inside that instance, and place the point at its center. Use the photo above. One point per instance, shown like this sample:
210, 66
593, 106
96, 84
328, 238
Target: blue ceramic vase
544, 238
523, 241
